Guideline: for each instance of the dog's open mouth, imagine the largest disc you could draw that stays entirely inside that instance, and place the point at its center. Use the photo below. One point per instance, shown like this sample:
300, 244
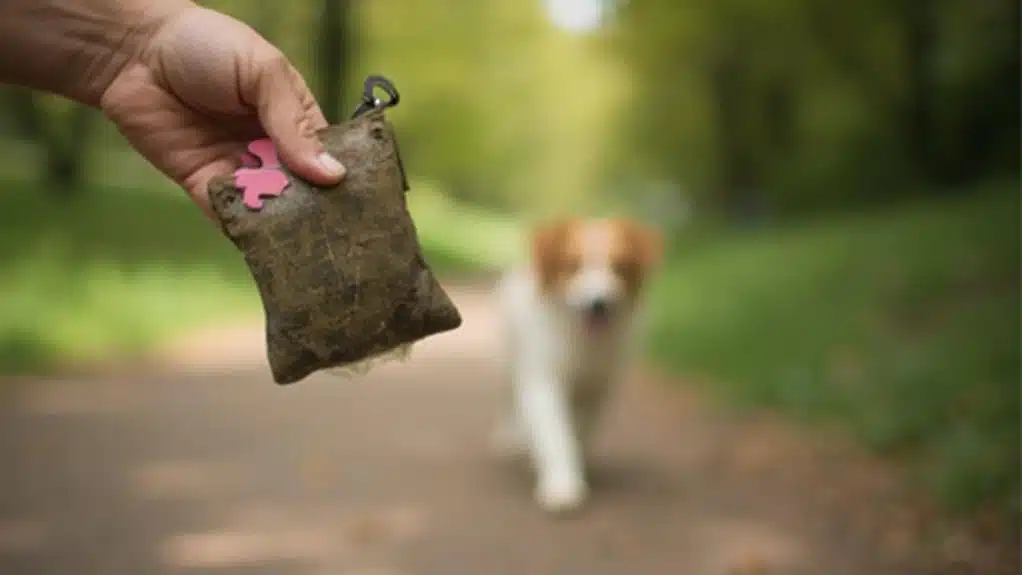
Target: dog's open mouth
597, 322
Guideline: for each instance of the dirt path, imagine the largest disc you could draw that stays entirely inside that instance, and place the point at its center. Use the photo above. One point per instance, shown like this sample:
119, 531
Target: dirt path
204, 465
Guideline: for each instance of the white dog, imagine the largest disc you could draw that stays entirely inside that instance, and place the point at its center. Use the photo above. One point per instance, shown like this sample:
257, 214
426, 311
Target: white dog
570, 317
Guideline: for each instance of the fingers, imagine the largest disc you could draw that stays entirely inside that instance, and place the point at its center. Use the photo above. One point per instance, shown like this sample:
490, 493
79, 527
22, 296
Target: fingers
291, 117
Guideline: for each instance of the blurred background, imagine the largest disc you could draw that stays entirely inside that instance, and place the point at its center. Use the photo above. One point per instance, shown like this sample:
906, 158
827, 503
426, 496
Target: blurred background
839, 183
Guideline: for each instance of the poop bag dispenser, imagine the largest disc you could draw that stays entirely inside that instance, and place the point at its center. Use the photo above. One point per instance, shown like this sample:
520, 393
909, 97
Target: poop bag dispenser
339, 270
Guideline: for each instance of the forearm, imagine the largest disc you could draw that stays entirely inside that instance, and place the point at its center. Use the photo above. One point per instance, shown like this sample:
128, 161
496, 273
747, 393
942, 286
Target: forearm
75, 48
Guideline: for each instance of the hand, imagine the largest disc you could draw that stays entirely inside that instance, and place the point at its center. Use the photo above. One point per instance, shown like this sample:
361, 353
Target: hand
201, 87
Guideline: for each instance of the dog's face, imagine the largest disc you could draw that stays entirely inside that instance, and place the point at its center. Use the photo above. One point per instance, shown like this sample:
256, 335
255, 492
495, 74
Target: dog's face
597, 268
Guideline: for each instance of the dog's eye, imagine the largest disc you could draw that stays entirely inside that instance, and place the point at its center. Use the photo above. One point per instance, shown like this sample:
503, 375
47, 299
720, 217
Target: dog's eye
626, 268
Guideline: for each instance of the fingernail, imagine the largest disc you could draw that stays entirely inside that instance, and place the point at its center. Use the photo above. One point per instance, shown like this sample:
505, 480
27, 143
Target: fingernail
331, 164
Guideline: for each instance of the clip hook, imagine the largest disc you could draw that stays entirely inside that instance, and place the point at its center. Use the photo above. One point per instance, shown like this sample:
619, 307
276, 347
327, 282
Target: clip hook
369, 99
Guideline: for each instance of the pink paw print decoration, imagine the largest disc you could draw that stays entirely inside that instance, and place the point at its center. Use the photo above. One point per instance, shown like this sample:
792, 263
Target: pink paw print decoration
261, 177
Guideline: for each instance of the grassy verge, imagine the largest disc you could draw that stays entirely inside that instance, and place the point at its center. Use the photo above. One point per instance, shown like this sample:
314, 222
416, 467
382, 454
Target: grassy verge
901, 328
458, 238
110, 272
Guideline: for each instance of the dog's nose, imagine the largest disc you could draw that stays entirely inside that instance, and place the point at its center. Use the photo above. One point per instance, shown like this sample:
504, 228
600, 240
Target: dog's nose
599, 307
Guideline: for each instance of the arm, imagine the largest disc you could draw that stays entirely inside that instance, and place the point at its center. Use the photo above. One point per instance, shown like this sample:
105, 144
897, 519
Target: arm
188, 87
75, 48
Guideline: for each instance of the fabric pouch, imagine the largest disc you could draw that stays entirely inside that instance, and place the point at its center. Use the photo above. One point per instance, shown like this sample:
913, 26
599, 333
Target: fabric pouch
339, 270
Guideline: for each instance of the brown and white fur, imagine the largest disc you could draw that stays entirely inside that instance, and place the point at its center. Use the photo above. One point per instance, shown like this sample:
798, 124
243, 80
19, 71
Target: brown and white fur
570, 318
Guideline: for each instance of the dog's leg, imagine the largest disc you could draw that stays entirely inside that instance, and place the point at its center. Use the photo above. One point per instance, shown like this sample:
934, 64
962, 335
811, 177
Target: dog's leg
586, 419
591, 395
508, 437
556, 455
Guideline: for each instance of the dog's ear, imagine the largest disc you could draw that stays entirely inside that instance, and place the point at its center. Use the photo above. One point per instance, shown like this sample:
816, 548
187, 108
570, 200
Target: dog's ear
646, 242
548, 247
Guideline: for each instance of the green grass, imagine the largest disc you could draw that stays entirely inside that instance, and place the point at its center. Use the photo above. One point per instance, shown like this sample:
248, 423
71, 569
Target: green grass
901, 328
461, 238
111, 272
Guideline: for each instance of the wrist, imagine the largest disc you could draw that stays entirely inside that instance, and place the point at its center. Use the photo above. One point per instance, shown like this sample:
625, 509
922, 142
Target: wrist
76, 48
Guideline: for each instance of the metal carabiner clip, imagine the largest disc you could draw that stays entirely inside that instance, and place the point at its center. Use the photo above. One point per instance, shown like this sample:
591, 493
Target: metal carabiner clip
369, 99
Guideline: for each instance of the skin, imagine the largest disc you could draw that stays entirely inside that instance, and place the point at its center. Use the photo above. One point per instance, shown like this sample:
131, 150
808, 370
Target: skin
188, 87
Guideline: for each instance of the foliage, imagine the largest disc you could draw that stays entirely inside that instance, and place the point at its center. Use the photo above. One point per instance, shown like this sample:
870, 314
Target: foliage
62, 130
798, 104
501, 108
498, 107
755, 108
902, 328
108, 272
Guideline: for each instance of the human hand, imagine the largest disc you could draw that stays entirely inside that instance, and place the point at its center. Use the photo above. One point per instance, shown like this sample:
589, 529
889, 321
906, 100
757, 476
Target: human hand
201, 86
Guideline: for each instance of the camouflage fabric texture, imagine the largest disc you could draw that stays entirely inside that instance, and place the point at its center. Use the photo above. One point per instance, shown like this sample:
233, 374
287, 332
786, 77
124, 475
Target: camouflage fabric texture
339, 270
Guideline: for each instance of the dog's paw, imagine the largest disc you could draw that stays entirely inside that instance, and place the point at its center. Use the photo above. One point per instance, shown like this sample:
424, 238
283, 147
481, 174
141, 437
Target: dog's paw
562, 495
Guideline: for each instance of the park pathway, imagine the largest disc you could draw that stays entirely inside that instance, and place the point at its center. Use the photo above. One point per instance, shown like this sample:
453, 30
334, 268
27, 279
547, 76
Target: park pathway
198, 463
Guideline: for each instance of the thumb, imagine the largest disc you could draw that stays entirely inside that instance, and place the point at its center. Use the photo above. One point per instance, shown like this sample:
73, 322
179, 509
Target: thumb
291, 117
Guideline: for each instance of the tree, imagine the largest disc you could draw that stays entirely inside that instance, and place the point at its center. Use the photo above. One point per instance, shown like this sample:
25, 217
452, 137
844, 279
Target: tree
949, 86
62, 134
811, 104
336, 45
744, 62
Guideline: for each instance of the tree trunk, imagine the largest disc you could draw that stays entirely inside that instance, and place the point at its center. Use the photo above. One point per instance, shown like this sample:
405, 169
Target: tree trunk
986, 136
736, 191
64, 145
780, 109
336, 48
27, 117
67, 155
918, 18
